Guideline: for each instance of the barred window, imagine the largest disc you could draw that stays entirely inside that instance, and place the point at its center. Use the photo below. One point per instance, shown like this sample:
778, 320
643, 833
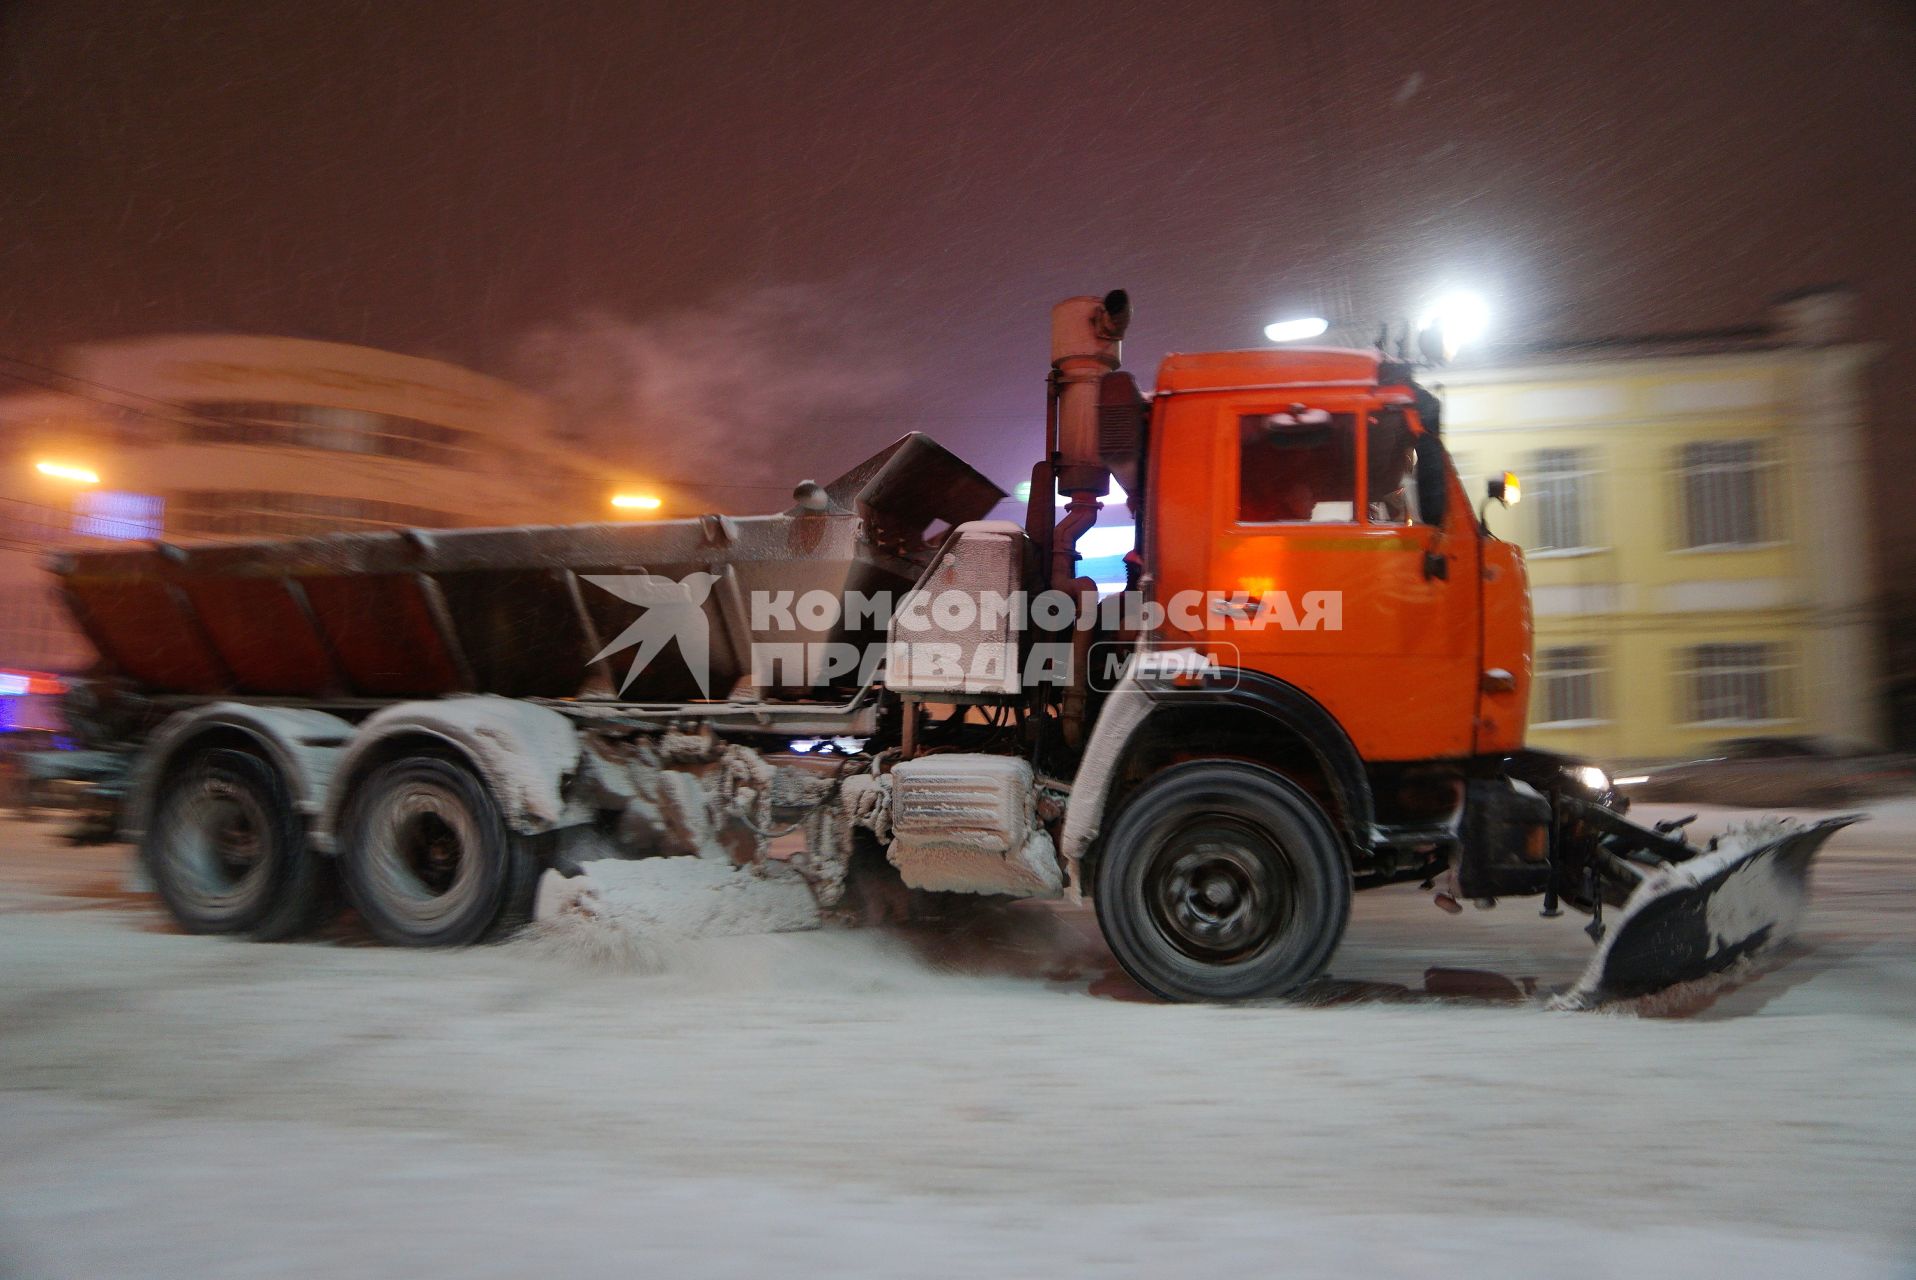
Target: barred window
107, 513
243, 513
1558, 485
1726, 494
1569, 683
318, 426
1735, 683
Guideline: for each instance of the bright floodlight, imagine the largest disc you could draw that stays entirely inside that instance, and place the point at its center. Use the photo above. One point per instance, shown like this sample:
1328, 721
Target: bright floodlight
1459, 317
637, 501
65, 471
1296, 330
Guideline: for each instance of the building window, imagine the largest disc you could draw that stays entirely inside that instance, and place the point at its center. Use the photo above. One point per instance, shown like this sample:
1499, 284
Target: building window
242, 513
1726, 494
1558, 485
1735, 683
318, 426
107, 513
1569, 681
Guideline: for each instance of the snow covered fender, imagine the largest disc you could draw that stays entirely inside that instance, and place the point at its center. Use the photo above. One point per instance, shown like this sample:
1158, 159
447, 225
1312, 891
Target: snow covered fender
525, 753
1288, 713
303, 745
1124, 710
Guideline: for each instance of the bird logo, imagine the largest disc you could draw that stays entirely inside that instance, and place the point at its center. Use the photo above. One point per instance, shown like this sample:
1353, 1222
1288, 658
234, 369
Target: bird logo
674, 611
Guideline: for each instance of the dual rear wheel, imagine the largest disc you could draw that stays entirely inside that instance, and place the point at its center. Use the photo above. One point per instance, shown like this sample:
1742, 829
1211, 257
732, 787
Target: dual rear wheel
427, 859
226, 850
425, 856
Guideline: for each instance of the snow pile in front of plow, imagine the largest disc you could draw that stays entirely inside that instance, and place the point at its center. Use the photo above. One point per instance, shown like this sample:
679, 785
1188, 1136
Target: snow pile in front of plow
1754, 896
618, 912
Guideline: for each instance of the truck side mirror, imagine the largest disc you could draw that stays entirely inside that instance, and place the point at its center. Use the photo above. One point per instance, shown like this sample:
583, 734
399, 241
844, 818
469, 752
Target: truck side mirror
1433, 480
1503, 490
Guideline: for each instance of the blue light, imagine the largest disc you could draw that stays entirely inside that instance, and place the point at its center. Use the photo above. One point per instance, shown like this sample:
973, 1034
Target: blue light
127, 517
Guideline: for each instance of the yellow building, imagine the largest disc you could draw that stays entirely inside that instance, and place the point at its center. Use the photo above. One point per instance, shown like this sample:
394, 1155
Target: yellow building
1699, 564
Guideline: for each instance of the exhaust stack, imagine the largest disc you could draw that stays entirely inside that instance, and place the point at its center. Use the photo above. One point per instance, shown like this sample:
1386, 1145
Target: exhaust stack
1086, 338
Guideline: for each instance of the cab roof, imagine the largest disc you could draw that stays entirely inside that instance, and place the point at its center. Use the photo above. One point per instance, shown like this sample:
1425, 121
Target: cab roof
1272, 367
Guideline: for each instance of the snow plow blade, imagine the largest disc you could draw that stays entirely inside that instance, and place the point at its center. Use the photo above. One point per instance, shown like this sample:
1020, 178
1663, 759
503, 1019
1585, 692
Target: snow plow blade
1692, 919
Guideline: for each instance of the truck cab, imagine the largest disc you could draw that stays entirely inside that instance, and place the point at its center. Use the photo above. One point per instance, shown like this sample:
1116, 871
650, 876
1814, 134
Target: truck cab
1311, 488
1365, 675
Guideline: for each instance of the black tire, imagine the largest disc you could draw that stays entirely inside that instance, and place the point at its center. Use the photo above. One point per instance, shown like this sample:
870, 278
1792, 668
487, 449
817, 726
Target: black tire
227, 851
427, 860
1222, 881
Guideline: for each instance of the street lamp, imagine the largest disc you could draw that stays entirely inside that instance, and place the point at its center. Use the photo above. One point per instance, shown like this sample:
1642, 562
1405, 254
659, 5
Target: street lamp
1296, 329
1452, 322
68, 472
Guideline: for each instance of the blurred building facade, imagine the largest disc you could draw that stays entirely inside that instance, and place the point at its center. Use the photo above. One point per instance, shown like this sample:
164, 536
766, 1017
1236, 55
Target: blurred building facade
203, 437
1691, 512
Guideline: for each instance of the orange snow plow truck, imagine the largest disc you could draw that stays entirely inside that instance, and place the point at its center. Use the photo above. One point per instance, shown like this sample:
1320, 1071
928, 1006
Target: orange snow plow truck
1314, 680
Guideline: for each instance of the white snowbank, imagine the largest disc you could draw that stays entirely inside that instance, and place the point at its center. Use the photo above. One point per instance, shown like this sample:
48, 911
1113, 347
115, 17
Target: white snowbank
703, 897
573, 923
620, 910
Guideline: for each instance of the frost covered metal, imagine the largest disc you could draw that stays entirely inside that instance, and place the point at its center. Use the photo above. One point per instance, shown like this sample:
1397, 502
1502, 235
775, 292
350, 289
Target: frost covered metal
968, 824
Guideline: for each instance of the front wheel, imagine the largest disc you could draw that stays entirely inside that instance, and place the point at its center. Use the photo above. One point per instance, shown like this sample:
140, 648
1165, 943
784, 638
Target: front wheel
428, 861
1222, 881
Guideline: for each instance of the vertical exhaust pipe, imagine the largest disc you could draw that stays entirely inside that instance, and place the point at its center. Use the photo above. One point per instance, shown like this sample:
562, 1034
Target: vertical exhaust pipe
1086, 339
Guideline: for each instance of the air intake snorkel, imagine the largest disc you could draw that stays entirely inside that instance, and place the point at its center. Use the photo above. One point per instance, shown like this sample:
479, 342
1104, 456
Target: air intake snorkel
1086, 335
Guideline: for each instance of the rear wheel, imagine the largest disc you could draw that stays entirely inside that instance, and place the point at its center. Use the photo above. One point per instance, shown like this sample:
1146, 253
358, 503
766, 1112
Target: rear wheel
227, 850
428, 861
1222, 881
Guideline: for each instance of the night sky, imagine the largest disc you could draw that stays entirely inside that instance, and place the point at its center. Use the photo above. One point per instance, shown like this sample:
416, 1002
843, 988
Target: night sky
746, 243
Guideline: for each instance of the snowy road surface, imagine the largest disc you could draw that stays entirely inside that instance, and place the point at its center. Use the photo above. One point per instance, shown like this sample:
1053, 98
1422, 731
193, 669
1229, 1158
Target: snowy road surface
992, 1104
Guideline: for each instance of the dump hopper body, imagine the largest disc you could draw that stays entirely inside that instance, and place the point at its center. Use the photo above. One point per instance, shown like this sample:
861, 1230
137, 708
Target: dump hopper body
521, 612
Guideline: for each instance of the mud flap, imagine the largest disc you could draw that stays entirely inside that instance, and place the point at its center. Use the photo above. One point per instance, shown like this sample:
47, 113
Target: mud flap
1695, 918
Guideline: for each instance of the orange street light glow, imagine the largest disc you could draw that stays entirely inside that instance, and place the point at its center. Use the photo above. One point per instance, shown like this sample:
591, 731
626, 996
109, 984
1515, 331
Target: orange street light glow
61, 471
637, 501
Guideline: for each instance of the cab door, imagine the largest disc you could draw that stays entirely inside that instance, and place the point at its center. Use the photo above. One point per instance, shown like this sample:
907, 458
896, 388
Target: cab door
1321, 572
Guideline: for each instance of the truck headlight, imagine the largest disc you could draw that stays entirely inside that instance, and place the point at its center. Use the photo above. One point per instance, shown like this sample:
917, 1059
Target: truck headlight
1591, 777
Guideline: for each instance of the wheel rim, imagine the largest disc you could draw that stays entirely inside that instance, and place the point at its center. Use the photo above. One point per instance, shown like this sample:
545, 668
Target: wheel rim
1220, 891
217, 839
423, 851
